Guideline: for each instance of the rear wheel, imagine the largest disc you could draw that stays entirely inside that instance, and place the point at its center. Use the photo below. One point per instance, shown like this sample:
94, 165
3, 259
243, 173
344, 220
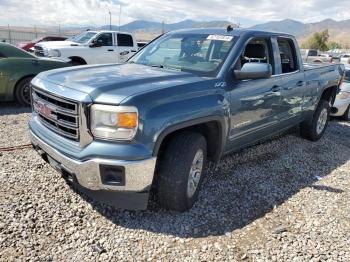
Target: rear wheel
346, 115
22, 91
181, 171
314, 129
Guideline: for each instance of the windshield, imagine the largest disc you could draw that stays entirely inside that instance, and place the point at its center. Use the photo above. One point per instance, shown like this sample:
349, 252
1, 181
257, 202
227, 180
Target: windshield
82, 38
203, 54
8, 50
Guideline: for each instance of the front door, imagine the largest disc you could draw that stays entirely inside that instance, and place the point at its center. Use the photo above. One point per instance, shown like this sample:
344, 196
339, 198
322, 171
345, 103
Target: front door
105, 53
255, 104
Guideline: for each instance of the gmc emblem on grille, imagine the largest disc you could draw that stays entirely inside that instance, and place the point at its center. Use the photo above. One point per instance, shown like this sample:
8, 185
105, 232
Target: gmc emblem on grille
44, 109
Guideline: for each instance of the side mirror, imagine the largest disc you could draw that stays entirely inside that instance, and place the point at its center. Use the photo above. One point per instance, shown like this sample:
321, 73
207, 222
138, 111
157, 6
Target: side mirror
252, 71
95, 43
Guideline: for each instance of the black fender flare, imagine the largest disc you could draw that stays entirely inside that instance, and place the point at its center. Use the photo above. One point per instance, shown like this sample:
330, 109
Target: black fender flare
220, 120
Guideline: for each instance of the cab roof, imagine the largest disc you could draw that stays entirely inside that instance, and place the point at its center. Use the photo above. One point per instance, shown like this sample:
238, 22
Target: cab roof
223, 31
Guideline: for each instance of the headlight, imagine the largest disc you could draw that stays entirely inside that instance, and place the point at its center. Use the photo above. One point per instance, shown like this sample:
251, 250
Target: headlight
343, 95
114, 122
54, 53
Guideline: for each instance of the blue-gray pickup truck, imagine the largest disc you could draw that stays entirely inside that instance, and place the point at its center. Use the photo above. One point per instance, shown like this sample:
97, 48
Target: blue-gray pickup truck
191, 96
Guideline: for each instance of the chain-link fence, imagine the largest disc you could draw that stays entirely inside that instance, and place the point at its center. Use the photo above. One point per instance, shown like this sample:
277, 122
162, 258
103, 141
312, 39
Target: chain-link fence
15, 35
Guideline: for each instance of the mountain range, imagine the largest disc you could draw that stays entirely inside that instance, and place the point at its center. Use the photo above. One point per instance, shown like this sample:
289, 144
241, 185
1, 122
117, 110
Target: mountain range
153, 27
339, 30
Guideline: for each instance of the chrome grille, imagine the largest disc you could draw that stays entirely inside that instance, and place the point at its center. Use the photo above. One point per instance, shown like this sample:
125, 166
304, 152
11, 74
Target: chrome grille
57, 114
39, 51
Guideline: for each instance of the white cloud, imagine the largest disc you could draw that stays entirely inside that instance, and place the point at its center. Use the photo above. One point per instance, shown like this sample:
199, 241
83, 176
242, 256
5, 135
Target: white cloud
95, 12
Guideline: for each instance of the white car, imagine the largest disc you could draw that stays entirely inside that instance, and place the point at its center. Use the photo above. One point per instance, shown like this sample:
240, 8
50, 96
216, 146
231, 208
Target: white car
91, 47
342, 101
345, 59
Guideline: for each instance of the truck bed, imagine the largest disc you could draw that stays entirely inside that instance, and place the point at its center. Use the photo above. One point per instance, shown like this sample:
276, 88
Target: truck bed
314, 66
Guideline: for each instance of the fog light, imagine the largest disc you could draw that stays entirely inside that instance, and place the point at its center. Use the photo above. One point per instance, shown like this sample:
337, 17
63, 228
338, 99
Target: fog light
112, 175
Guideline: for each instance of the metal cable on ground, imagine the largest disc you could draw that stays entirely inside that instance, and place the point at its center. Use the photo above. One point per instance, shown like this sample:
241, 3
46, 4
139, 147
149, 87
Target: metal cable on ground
14, 148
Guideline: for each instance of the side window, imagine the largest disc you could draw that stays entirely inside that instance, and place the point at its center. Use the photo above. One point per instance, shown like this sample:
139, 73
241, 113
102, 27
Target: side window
105, 39
258, 50
125, 40
289, 61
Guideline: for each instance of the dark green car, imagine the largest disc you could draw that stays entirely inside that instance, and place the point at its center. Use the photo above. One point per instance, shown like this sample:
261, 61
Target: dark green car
17, 69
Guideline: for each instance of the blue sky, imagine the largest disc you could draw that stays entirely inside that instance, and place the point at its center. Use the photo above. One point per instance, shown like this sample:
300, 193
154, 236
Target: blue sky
95, 12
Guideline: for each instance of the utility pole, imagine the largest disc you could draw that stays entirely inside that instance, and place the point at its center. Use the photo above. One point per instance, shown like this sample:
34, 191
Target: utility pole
163, 27
120, 15
110, 20
8, 26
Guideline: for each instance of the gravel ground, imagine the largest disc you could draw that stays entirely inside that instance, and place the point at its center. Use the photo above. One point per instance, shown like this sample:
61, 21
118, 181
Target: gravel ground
283, 200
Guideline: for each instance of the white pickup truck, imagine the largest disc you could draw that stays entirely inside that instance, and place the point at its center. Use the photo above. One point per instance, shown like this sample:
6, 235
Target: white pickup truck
314, 56
91, 47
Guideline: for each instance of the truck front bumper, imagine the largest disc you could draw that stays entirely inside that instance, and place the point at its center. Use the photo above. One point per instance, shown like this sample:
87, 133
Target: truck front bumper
98, 174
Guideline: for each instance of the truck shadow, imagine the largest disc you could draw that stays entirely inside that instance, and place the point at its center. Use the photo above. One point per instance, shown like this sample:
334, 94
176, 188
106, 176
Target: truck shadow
246, 186
12, 108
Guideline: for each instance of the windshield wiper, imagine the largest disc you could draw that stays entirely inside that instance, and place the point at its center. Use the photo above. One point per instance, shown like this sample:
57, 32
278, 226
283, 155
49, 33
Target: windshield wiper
167, 67
158, 66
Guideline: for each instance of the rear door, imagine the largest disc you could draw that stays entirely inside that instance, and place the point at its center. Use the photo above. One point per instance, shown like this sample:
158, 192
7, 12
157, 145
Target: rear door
126, 47
289, 67
255, 104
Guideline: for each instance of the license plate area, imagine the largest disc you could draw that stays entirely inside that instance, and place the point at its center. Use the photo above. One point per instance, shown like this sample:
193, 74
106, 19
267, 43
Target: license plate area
68, 175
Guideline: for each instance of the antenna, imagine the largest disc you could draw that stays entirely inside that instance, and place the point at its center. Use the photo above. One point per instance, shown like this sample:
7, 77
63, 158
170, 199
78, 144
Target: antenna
120, 15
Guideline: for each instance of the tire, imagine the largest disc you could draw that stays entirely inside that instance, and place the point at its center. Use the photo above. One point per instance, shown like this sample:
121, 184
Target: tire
346, 116
314, 129
22, 91
77, 61
177, 190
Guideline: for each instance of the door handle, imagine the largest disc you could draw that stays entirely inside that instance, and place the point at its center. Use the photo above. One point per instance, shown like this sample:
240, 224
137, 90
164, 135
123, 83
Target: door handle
300, 83
110, 50
275, 89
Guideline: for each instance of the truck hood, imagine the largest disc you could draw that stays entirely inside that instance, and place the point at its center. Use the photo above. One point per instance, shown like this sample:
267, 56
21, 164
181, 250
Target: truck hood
113, 83
54, 44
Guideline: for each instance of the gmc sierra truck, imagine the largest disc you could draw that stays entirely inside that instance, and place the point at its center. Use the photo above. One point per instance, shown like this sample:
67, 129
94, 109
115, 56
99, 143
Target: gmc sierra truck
190, 96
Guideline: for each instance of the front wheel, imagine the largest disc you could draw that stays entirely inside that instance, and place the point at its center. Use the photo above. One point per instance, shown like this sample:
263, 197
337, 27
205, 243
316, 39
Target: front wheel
314, 129
22, 91
181, 171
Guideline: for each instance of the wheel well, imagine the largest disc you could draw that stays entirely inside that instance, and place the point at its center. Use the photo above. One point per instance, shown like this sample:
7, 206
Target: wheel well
210, 130
78, 59
329, 94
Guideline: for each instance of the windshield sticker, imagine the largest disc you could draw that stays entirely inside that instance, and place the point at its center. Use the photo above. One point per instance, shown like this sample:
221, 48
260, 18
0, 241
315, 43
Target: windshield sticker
225, 38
